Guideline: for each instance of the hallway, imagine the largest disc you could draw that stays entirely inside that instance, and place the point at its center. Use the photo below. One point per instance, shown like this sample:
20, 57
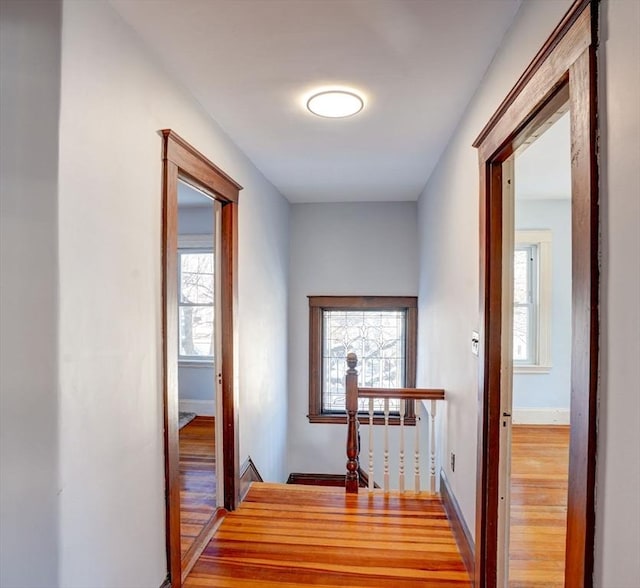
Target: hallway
290, 535
401, 198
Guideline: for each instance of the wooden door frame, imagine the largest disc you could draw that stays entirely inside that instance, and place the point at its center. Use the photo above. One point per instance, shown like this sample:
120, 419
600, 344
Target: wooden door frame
563, 71
181, 160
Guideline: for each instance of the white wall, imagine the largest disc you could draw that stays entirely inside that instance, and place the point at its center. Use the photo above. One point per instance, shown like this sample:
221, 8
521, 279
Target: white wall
339, 249
550, 390
263, 320
448, 221
448, 232
618, 478
195, 220
29, 107
114, 100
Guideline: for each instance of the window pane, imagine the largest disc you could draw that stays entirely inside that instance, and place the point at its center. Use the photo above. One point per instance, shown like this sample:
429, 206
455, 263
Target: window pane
378, 339
521, 285
196, 278
521, 333
196, 330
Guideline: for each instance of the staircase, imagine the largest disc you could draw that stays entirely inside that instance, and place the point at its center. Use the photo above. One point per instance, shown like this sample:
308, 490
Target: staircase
409, 461
311, 533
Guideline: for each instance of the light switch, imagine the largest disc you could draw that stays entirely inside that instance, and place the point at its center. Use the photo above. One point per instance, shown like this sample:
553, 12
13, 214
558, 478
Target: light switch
475, 342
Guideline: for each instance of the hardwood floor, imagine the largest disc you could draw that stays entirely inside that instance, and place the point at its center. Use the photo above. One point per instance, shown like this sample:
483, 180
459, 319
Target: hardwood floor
197, 479
539, 479
293, 535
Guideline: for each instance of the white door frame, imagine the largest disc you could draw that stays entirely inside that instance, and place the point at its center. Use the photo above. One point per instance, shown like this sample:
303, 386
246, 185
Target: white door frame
506, 375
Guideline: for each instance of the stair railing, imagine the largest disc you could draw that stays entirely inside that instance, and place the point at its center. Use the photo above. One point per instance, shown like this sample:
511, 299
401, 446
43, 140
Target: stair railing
353, 394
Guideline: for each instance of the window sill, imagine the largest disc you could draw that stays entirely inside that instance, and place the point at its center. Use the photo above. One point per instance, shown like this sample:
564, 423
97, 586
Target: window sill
200, 363
531, 369
341, 419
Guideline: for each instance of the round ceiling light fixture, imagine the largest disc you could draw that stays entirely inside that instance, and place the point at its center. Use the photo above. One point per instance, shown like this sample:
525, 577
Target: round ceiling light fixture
335, 104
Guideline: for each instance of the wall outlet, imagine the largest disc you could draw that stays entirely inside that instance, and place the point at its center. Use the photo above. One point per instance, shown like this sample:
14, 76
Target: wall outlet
453, 461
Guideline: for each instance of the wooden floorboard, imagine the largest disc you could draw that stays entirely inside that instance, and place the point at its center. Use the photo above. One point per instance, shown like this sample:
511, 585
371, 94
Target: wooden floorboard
197, 479
539, 477
288, 535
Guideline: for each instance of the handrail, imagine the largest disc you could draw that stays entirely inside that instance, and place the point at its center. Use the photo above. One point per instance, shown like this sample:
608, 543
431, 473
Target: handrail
353, 393
402, 393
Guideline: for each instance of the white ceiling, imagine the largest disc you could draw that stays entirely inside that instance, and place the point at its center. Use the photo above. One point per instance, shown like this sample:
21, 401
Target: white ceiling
190, 197
543, 170
253, 63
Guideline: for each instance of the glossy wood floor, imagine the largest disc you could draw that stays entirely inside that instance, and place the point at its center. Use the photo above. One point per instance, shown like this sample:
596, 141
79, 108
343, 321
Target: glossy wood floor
539, 476
293, 535
197, 479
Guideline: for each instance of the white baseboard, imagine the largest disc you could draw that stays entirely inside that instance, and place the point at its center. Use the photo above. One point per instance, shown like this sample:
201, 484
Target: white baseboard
541, 416
200, 407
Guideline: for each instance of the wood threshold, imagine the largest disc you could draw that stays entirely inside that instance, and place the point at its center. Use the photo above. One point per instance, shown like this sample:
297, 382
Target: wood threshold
191, 557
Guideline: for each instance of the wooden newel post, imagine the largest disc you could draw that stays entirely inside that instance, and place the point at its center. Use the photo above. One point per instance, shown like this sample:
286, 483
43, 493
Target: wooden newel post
353, 438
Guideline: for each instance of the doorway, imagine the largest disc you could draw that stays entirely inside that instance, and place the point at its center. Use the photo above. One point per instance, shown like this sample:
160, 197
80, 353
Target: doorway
536, 355
199, 346
562, 73
199, 294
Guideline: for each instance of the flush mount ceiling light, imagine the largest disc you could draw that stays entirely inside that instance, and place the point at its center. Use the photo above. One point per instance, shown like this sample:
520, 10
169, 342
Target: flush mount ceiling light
335, 104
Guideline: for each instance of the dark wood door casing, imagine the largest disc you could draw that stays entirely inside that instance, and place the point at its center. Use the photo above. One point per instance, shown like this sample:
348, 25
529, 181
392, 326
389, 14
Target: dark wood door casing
563, 71
181, 160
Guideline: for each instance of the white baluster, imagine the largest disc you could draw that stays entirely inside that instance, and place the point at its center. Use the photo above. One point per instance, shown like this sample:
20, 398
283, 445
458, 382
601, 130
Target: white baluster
401, 468
386, 445
432, 447
370, 444
416, 457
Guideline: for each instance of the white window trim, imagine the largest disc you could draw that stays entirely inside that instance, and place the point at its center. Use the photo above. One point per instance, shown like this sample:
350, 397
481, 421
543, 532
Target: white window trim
196, 363
195, 241
542, 240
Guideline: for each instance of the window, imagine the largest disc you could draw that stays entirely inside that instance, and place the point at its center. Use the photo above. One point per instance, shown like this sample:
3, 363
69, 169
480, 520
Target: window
525, 303
381, 330
532, 301
196, 300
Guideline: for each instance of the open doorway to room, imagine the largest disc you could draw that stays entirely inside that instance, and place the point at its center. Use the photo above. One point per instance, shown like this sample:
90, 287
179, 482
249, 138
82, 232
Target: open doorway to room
198, 350
562, 77
537, 346
198, 326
